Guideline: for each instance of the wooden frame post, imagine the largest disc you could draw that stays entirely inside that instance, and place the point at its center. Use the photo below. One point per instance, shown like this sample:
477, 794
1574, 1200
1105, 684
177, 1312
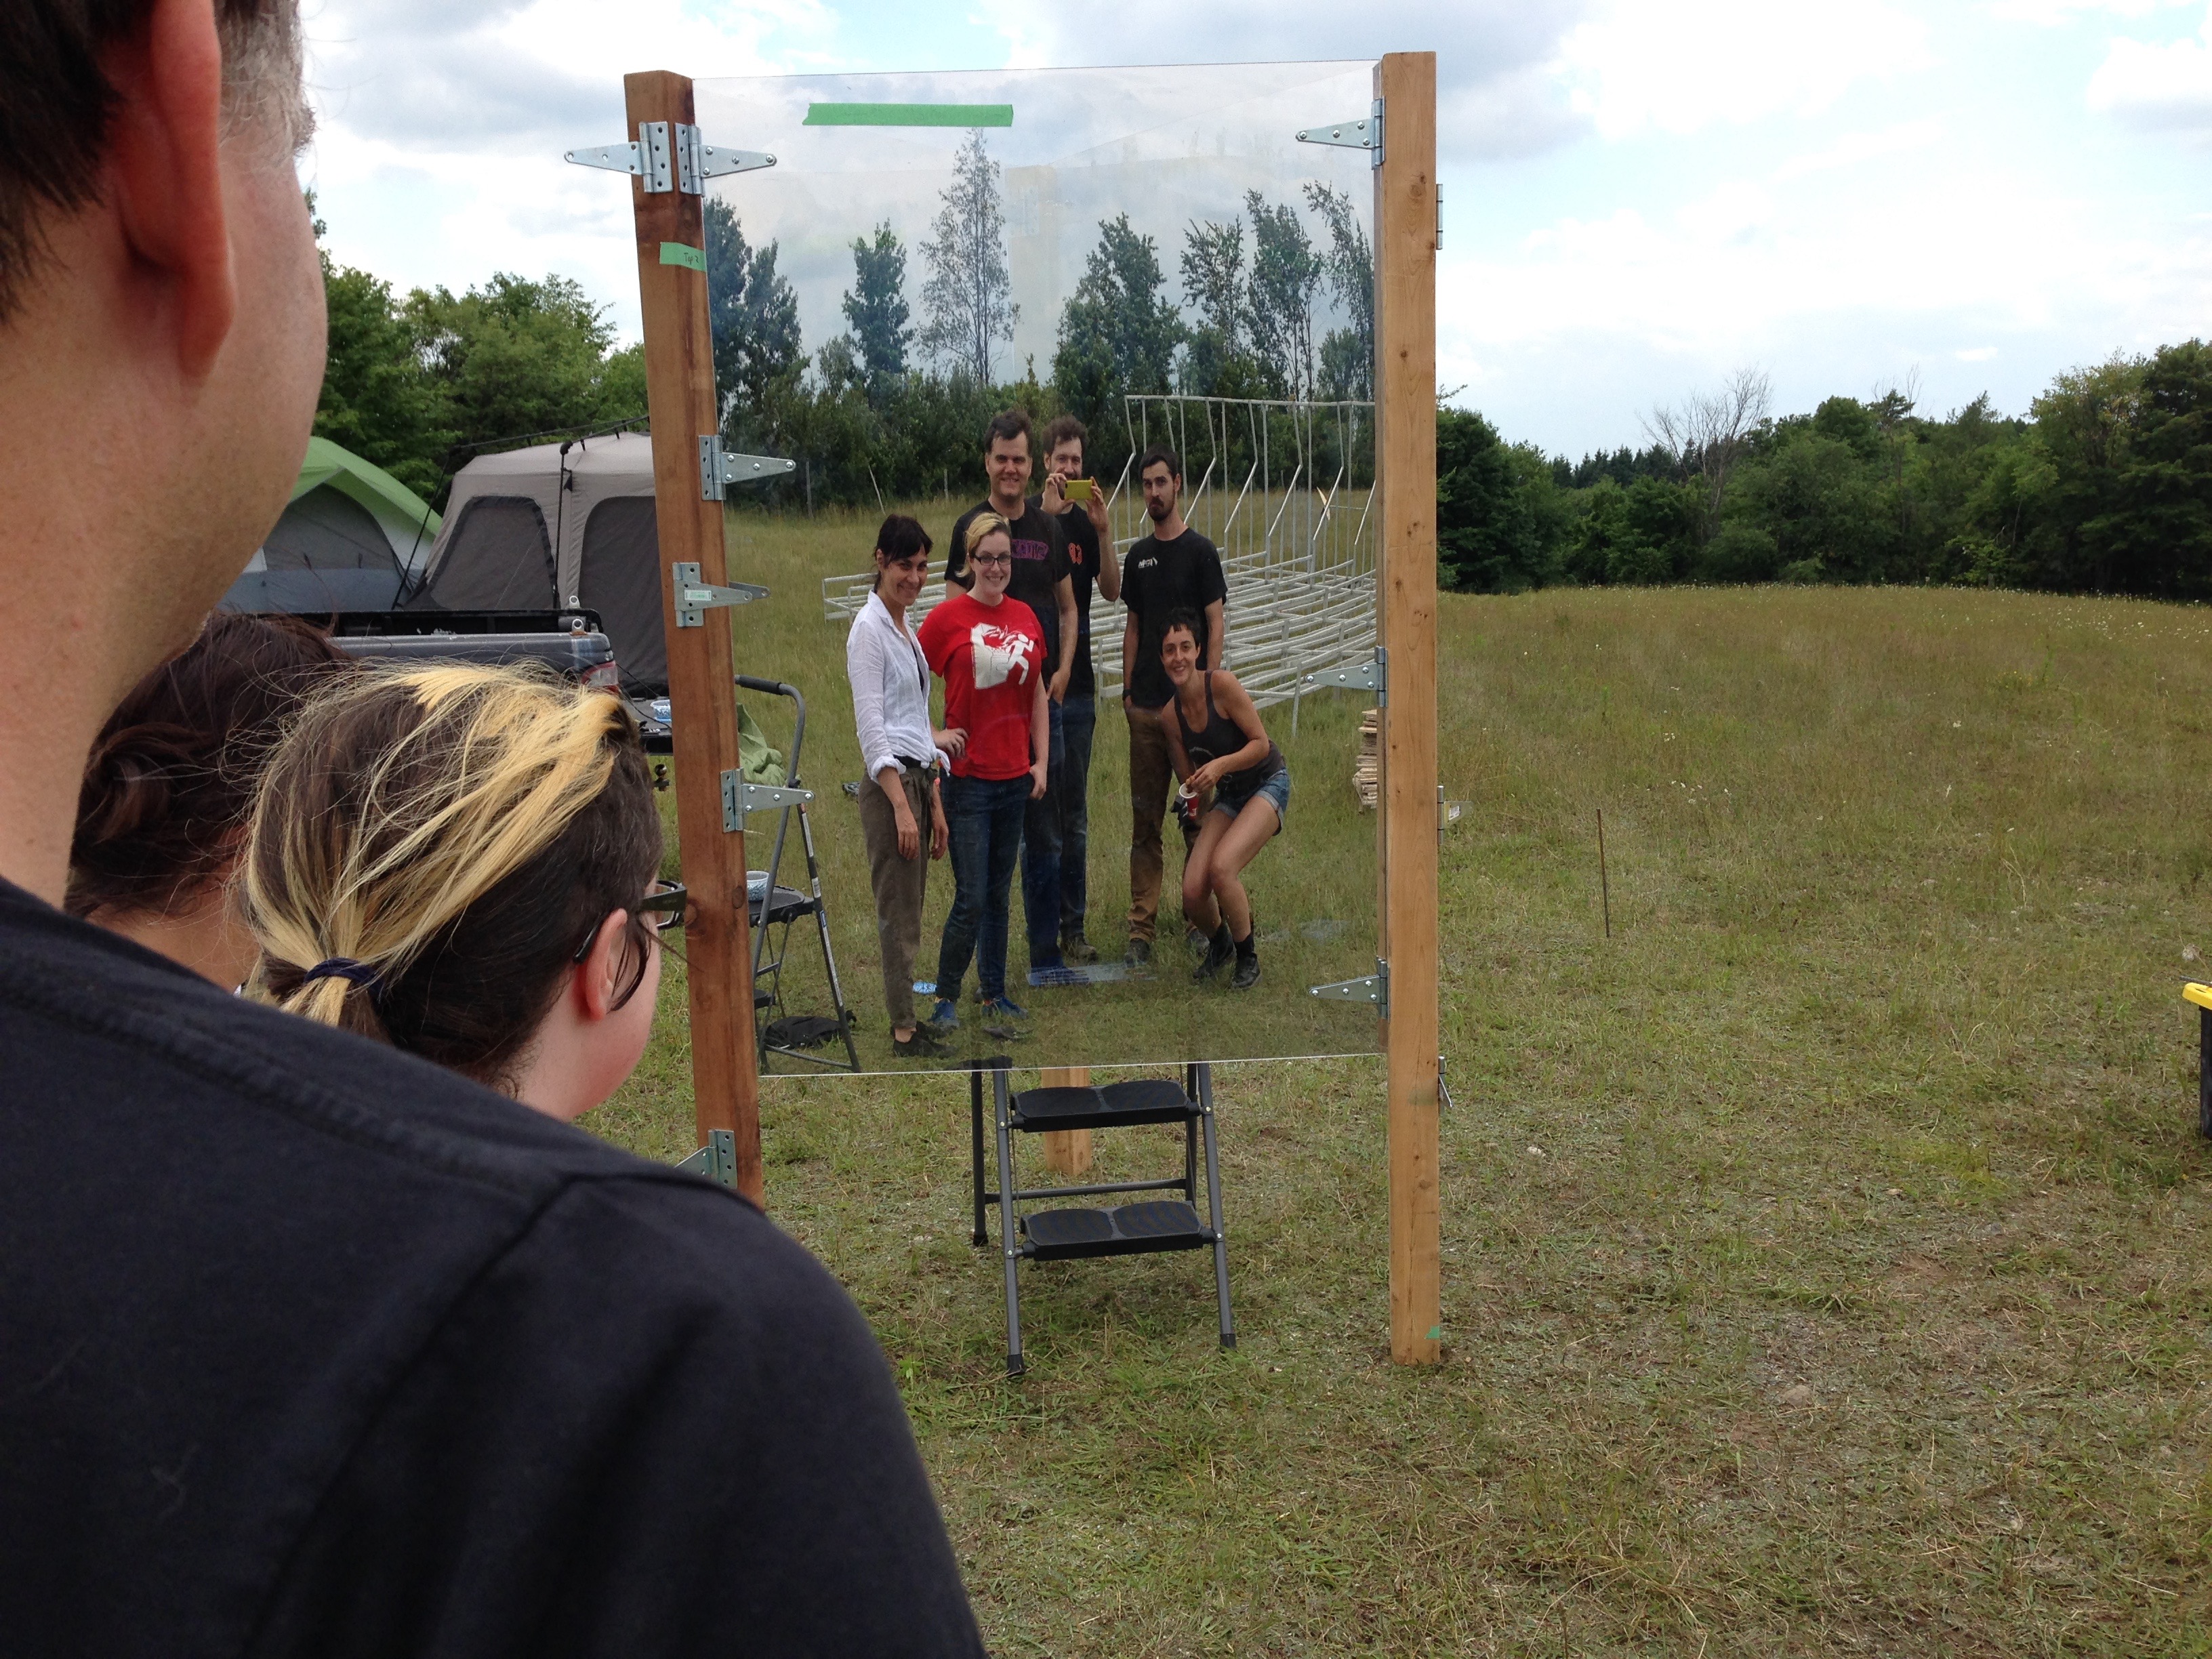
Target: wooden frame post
680, 376
1067, 1151
1405, 469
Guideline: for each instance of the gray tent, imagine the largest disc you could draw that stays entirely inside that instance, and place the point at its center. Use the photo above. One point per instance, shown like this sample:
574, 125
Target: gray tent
349, 541
532, 530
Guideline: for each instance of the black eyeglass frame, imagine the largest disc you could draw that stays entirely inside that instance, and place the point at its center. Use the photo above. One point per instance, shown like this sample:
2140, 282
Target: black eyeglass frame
662, 909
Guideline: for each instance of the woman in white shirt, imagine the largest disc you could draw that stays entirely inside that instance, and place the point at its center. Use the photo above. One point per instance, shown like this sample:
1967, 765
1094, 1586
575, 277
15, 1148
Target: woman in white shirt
900, 756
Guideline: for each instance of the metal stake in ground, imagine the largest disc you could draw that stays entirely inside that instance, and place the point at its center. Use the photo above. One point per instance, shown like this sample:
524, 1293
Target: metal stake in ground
1604, 886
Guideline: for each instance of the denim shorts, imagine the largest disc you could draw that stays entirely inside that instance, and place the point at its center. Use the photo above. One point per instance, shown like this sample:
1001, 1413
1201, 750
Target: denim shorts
1276, 792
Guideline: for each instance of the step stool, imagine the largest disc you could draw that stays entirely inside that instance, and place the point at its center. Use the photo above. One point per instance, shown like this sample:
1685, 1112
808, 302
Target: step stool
1126, 1229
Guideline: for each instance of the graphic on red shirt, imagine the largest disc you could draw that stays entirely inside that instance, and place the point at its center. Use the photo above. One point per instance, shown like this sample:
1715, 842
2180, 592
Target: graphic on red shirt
988, 657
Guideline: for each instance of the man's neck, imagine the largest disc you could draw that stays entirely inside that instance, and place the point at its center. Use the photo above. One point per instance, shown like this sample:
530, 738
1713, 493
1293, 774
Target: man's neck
1006, 510
1170, 528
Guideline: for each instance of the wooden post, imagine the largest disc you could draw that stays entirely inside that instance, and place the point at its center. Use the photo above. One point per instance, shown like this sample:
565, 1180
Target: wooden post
1067, 1151
1405, 464
679, 378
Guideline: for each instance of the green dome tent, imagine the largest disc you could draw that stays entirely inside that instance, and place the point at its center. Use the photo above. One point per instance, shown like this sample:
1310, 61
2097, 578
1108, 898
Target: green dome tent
350, 538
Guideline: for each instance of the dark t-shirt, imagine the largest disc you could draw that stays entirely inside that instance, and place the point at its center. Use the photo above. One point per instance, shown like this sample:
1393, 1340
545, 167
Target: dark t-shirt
1040, 560
1157, 580
308, 1348
1081, 536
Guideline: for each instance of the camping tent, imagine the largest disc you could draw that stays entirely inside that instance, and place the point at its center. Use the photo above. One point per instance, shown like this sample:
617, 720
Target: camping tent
560, 524
350, 538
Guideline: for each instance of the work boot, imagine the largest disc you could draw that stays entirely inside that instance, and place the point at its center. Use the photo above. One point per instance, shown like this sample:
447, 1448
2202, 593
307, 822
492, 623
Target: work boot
1138, 958
1248, 964
1195, 940
1076, 948
1220, 952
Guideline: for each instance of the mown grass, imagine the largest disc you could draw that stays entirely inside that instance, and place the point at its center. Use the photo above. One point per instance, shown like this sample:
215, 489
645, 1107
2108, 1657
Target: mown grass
1823, 1250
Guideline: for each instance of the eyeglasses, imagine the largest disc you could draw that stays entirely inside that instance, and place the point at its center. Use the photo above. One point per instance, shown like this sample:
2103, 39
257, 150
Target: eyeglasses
991, 558
660, 909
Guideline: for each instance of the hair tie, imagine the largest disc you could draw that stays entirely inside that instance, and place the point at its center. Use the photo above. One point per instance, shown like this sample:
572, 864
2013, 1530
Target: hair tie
344, 967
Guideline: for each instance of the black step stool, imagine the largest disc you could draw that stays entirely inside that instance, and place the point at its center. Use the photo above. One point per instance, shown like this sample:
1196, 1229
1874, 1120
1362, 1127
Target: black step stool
1126, 1229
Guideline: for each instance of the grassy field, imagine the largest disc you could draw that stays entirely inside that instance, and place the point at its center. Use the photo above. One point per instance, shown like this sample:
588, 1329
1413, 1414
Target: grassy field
1825, 1251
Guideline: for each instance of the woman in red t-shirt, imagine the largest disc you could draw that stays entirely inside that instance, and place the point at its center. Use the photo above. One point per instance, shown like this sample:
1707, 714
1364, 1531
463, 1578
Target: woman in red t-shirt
989, 651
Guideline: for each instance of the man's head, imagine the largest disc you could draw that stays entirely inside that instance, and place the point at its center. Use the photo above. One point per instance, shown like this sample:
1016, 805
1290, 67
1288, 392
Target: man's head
1064, 439
1006, 460
1160, 471
160, 337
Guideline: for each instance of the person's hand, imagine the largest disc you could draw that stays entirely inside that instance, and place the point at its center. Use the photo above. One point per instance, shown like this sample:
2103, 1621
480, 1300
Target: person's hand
909, 838
1056, 689
1037, 780
1203, 778
940, 833
1049, 499
1097, 509
953, 740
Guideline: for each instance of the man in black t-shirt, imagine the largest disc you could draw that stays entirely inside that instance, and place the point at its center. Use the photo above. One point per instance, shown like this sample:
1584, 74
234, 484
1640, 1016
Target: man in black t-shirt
1092, 563
1042, 581
308, 1348
1174, 568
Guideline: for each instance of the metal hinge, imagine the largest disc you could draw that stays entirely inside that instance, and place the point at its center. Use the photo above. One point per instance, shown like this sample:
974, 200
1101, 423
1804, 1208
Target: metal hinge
1448, 813
740, 797
1366, 135
1372, 676
1373, 988
668, 159
717, 1160
694, 597
718, 470
1443, 1094
1439, 193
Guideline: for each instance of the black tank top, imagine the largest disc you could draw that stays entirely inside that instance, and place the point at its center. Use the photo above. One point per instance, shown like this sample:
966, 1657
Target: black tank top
1223, 736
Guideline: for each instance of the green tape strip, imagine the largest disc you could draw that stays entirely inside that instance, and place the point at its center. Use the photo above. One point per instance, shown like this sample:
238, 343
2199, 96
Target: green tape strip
909, 115
683, 253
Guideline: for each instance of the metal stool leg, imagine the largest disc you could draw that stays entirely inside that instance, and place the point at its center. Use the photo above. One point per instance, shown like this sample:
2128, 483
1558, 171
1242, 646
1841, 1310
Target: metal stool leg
2204, 1071
976, 1146
1213, 1204
1012, 1251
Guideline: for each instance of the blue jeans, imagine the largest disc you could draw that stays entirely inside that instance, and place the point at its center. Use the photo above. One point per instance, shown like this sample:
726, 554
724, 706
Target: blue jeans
1080, 717
1041, 897
984, 817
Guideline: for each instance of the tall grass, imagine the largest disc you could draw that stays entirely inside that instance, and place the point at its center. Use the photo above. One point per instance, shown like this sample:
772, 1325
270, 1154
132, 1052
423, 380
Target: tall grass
1825, 1265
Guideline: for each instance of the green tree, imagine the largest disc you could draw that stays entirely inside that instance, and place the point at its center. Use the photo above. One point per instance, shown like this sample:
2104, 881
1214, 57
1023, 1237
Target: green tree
965, 298
1286, 275
754, 317
1347, 355
1118, 333
1215, 361
379, 398
2156, 536
1500, 524
875, 307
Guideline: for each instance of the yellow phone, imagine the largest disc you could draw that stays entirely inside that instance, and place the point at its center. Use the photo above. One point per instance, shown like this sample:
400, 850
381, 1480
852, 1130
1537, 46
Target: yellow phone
1077, 489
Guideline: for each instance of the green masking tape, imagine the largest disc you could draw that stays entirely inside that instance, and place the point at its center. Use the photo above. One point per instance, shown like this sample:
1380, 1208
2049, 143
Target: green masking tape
909, 115
683, 253
1436, 1333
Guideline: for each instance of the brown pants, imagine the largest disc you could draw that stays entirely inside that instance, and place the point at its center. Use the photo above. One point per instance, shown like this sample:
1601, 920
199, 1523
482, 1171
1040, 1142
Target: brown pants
898, 883
1151, 781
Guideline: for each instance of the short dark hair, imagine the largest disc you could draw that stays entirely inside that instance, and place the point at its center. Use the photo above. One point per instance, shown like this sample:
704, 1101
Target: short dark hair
1009, 423
1191, 621
170, 780
1160, 455
57, 102
1060, 428
899, 539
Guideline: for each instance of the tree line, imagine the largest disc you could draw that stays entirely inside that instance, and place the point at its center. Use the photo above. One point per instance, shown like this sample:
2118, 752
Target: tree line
2105, 486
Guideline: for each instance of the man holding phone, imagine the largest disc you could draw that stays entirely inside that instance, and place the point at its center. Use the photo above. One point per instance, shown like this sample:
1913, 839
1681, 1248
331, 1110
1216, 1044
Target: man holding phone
1091, 565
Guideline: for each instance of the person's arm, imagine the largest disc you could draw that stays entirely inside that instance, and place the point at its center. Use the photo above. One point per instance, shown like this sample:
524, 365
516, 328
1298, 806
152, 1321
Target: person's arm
1064, 591
1110, 557
940, 833
1128, 655
864, 667
1040, 738
1171, 729
1217, 636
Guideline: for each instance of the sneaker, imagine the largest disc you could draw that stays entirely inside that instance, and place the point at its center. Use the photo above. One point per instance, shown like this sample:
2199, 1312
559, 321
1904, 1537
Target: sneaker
946, 1018
921, 1043
1076, 948
1004, 1009
1248, 972
1219, 953
1138, 959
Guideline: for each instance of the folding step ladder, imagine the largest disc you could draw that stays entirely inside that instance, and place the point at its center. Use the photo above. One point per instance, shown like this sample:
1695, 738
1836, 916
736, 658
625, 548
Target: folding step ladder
1126, 1229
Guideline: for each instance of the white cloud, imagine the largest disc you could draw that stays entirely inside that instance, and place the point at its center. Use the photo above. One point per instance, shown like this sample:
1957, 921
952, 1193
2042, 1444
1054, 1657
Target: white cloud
1854, 148
2165, 86
1683, 67
2052, 13
1976, 353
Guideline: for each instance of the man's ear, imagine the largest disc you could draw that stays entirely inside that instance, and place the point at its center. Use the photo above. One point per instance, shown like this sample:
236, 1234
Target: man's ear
599, 976
164, 176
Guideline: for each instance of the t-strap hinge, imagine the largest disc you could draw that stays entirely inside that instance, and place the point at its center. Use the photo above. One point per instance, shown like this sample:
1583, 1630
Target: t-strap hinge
694, 598
718, 470
1365, 134
670, 156
740, 797
717, 1160
1373, 675
1373, 988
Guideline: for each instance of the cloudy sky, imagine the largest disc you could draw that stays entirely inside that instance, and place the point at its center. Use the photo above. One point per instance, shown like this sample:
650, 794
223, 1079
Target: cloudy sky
1640, 197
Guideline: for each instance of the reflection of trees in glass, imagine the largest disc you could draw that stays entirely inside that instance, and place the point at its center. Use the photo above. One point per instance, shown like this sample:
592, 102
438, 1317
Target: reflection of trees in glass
1286, 276
1347, 355
1117, 332
875, 306
964, 300
754, 317
1214, 287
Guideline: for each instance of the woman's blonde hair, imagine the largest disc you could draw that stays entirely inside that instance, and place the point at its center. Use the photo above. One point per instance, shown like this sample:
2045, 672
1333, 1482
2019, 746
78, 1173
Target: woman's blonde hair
983, 524
429, 847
